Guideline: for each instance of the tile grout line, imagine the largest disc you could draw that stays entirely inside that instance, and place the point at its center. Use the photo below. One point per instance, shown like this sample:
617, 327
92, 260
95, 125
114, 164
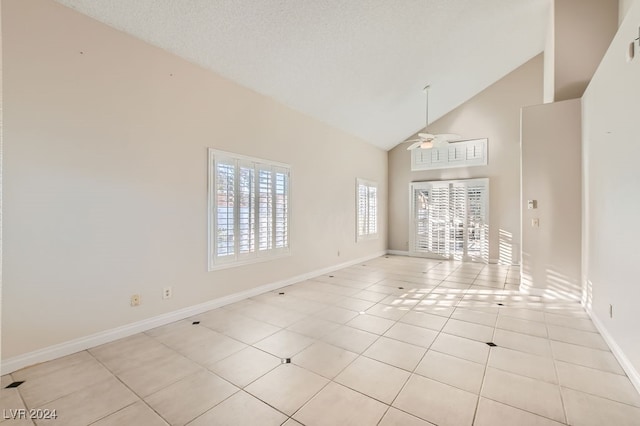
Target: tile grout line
319, 390
65, 394
21, 397
204, 367
484, 375
140, 398
555, 369
362, 355
413, 372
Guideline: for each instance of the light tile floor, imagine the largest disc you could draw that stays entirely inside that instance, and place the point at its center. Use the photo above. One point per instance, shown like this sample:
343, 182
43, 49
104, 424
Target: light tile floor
395, 341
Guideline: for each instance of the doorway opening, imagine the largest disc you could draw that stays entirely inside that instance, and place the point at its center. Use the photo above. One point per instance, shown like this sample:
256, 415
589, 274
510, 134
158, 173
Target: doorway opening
450, 220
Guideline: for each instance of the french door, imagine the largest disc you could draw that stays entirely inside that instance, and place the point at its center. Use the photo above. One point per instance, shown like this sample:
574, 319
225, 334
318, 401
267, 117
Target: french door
450, 219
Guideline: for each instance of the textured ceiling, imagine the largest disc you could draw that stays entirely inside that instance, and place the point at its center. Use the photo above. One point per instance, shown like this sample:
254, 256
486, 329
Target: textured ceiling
358, 65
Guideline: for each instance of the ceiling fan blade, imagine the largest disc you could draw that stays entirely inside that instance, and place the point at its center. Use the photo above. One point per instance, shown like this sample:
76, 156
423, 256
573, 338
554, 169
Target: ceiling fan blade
414, 145
427, 136
422, 144
449, 137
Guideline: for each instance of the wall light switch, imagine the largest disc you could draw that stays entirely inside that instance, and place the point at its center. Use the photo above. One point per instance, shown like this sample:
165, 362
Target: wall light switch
535, 223
532, 204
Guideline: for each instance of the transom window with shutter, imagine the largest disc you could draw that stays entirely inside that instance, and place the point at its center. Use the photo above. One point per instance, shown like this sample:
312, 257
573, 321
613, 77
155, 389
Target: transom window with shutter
367, 209
454, 154
248, 209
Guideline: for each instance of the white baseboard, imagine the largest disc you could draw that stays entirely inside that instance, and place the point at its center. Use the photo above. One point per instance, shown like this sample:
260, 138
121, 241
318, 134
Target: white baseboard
398, 252
532, 291
407, 253
627, 366
499, 262
82, 343
415, 255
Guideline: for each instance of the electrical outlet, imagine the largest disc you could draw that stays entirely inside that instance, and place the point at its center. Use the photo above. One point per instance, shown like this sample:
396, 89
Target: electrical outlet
135, 300
167, 292
535, 223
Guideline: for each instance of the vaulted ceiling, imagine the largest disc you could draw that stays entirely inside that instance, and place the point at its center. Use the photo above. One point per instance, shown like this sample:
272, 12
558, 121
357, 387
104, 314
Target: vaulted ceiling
358, 65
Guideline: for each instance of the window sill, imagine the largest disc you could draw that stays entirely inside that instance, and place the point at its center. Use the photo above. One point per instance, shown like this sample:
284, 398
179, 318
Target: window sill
245, 262
369, 237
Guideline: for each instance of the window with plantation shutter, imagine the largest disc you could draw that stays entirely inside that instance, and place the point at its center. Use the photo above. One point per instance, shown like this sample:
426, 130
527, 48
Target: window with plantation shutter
248, 209
367, 209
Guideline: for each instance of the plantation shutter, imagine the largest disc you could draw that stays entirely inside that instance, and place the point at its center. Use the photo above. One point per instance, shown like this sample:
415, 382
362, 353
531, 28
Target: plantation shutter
249, 209
458, 214
265, 208
362, 209
224, 208
450, 219
372, 210
366, 209
246, 210
454, 154
421, 218
478, 225
281, 216
439, 220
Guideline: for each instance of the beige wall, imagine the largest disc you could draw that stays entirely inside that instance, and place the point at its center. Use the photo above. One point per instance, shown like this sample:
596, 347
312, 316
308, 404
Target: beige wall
611, 131
492, 114
623, 8
549, 60
551, 175
1, 174
106, 178
583, 30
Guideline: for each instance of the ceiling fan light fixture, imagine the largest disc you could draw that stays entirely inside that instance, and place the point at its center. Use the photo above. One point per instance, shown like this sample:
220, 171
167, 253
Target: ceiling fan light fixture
426, 144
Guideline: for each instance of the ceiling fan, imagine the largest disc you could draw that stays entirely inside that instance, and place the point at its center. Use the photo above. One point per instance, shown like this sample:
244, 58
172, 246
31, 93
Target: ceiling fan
427, 140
